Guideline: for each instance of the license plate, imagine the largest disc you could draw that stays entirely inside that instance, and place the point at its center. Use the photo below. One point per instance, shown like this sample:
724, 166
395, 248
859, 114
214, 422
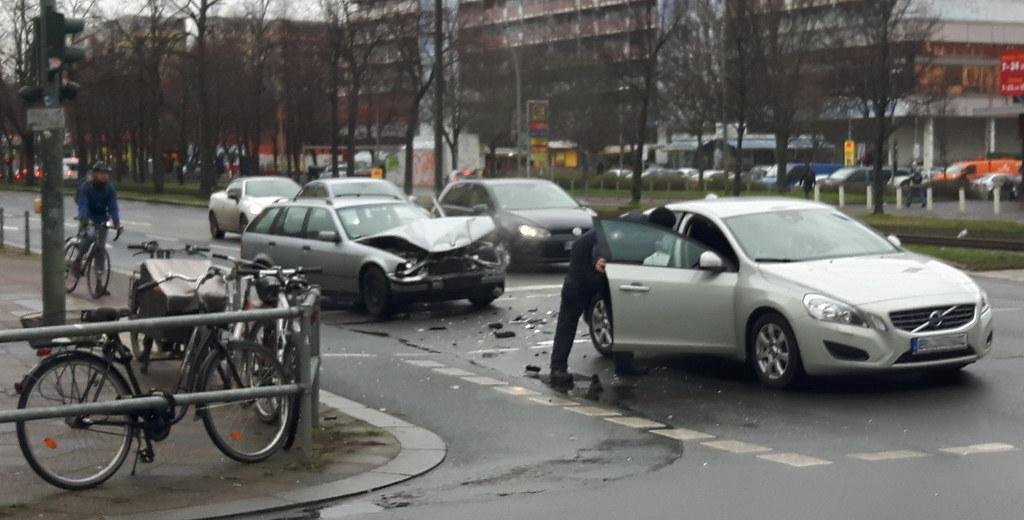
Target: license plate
931, 344
568, 245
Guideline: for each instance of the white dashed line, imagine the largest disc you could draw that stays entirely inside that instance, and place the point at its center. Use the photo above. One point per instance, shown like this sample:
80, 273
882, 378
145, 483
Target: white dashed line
528, 288
516, 390
794, 459
425, 363
738, 447
484, 381
350, 354
592, 411
879, 456
554, 401
635, 422
974, 449
682, 434
458, 372
492, 351
414, 354
545, 295
550, 343
164, 238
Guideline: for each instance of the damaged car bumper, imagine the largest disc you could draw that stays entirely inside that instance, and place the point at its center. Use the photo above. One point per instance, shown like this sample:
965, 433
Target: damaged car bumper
444, 287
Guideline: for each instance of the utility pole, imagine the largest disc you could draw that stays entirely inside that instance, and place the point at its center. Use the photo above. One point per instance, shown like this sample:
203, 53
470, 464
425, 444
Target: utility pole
46, 118
438, 95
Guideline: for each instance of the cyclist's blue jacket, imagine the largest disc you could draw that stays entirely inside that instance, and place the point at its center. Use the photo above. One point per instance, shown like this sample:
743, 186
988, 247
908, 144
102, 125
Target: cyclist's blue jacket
97, 204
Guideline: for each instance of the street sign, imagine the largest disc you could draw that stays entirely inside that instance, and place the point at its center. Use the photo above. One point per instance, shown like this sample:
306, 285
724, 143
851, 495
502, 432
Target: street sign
537, 113
41, 119
849, 152
1011, 73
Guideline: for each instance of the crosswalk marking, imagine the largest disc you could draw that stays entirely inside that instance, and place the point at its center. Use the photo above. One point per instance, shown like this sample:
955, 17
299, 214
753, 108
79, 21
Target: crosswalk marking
879, 456
682, 434
974, 449
735, 446
424, 363
794, 459
515, 390
635, 422
349, 354
484, 381
592, 411
454, 372
553, 401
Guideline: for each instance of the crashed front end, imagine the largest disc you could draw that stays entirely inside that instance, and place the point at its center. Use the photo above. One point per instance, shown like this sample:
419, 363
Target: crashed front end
445, 259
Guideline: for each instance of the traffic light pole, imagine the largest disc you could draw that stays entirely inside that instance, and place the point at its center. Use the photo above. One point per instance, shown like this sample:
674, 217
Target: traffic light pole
51, 142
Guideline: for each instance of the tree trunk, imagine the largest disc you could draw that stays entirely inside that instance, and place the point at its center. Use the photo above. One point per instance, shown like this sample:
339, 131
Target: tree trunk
335, 170
877, 180
781, 160
352, 119
410, 135
740, 130
28, 158
208, 177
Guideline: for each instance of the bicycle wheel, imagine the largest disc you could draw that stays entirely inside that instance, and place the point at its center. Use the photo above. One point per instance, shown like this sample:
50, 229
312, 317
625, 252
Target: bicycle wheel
75, 452
70, 254
98, 279
250, 430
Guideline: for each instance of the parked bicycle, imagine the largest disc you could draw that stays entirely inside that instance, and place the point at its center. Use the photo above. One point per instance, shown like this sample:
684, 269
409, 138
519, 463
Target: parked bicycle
82, 452
93, 263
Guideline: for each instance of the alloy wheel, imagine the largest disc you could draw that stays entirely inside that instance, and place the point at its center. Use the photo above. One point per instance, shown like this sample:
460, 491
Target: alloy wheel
772, 351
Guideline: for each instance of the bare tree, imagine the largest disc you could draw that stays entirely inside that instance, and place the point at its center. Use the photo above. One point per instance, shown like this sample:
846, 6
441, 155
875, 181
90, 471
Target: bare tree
259, 51
199, 12
19, 14
880, 59
416, 75
740, 57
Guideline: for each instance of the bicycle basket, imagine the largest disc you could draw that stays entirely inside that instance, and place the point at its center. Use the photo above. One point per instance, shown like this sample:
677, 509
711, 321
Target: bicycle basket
35, 319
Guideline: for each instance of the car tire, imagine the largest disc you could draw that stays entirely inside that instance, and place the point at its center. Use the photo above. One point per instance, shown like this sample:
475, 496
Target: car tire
483, 299
773, 352
215, 231
375, 293
243, 222
599, 319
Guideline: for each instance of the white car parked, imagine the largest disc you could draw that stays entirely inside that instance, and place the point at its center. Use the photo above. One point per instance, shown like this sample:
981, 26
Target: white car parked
791, 287
235, 207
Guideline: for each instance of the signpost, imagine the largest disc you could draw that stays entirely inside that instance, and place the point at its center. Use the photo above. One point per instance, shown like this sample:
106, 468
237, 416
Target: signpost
537, 117
849, 153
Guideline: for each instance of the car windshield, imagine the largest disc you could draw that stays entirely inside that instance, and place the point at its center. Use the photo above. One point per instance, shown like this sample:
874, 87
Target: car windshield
532, 195
802, 235
363, 221
271, 188
363, 189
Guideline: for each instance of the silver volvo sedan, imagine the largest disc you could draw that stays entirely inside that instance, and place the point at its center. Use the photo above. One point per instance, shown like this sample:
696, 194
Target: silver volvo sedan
790, 287
381, 252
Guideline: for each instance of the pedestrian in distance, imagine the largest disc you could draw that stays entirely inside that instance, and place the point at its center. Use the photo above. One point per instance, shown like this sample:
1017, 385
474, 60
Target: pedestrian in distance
808, 182
584, 280
916, 188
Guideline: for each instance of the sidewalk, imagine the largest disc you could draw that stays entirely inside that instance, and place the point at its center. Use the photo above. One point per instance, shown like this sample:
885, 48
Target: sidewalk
356, 449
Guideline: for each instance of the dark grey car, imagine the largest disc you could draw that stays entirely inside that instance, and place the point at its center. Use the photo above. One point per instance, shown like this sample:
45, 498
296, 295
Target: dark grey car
381, 252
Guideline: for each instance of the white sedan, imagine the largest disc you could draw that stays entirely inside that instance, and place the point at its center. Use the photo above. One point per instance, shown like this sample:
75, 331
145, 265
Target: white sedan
235, 207
790, 287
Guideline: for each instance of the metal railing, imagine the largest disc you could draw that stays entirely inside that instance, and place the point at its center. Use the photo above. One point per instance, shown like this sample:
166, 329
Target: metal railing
306, 346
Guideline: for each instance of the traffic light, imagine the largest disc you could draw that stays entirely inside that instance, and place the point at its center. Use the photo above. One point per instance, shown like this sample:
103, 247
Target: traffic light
58, 53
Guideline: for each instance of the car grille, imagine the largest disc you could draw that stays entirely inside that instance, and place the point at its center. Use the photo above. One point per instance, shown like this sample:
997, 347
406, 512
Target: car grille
919, 320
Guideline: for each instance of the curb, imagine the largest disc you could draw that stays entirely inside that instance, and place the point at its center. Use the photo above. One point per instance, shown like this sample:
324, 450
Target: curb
422, 451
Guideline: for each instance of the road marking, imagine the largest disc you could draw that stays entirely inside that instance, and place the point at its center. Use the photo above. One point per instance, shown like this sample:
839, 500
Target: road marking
735, 446
413, 354
161, 237
528, 288
350, 354
553, 401
10, 228
879, 456
592, 411
682, 434
425, 363
224, 248
515, 390
484, 381
794, 459
1011, 309
974, 449
453, 372
492, 351
635, 422
545, 295
550, 343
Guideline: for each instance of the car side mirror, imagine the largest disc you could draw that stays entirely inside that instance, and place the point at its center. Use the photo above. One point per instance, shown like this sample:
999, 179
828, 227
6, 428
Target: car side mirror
711, 262
894, 240
328, 236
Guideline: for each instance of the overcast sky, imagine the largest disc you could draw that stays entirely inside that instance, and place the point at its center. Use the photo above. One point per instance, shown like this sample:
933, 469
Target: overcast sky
293, 8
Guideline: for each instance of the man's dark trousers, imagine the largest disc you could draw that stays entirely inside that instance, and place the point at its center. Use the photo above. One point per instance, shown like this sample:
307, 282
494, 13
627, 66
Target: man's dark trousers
574, 304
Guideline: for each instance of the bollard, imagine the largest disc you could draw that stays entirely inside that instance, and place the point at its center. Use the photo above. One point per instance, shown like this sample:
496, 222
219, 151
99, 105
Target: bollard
869, 195
899, 197
28, 251
995, 199
817, 193
928, 198
1, 228
842, 196
963, 200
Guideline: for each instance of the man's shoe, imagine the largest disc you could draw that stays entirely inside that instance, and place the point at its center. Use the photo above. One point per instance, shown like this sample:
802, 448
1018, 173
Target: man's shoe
560, 376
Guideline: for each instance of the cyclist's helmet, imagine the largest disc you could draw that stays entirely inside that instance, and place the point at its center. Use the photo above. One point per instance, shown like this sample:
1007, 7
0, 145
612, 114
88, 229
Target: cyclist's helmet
101, 167
267, 288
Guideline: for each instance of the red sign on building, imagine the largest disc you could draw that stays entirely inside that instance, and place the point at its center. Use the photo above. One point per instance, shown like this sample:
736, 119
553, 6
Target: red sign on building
1011, 73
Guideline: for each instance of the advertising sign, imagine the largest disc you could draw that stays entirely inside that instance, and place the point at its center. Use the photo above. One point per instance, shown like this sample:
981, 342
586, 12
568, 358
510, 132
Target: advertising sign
537, 119
849, 153
1011, 73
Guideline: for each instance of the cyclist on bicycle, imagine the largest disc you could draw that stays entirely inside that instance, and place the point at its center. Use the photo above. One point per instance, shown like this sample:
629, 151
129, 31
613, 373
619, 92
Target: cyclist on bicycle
97, 203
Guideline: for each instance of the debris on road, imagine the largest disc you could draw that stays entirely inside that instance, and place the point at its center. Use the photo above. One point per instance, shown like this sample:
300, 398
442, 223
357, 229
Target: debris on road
503, 334
495, 326
532, 368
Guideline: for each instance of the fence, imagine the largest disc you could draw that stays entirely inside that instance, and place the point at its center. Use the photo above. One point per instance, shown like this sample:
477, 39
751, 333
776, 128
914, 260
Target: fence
306, 344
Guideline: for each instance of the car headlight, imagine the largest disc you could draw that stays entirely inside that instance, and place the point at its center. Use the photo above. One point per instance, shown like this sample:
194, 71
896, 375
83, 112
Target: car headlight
528, 231
985, 305
823, 308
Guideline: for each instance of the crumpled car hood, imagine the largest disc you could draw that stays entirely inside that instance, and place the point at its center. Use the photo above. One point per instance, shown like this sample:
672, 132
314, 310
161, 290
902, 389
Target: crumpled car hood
437, 235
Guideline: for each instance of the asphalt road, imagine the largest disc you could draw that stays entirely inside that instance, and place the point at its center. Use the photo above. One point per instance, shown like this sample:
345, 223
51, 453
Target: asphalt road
905, 447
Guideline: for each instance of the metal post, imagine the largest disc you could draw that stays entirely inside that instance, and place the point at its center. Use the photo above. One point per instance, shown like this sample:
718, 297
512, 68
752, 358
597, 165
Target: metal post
963, 200
51, 142
995, 199
27, 235
817, 193
899, 197
869, 193
304, 360
314, 349
1, 228
929, 199
438, 97
842, 196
